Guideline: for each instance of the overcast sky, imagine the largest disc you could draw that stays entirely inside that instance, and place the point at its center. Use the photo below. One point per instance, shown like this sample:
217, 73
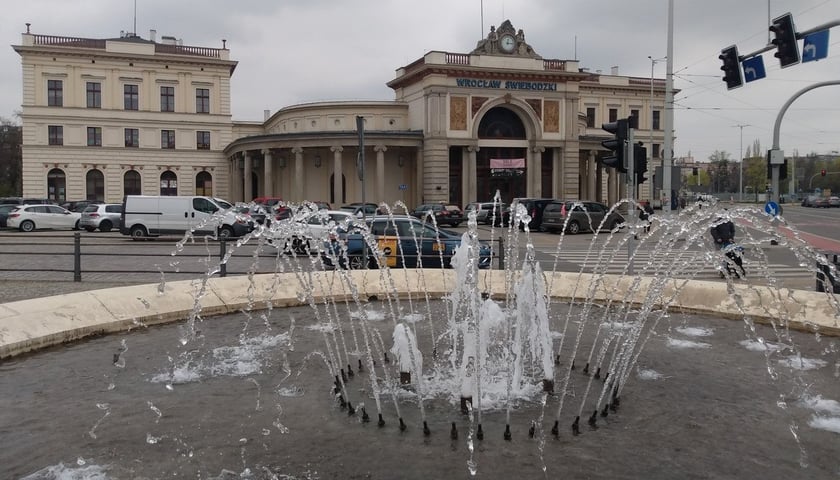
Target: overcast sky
297, 51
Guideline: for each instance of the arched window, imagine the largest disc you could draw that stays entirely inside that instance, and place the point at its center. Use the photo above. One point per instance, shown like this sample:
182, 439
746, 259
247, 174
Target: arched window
500, 122
95, 185
131, 183
204, 184
169, 184
56, 185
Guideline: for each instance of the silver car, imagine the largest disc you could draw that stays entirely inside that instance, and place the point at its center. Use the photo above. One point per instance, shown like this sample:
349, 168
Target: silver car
103, 216
583, 217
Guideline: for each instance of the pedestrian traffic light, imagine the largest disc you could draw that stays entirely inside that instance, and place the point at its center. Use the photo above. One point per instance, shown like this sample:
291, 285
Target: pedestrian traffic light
640, 163
787, 50
822, 172
617, 160
731, 67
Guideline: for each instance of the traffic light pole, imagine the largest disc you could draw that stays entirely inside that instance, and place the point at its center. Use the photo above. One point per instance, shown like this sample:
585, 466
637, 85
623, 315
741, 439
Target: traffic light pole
774, 176
631, 187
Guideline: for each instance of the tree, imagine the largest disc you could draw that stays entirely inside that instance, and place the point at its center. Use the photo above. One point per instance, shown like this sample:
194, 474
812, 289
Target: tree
720, 172
10, 158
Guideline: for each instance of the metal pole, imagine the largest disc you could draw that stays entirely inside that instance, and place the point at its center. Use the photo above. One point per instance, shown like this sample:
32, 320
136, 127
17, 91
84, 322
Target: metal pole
668, 144
653, 62
77, 257
222, 263
631, 184
774, 178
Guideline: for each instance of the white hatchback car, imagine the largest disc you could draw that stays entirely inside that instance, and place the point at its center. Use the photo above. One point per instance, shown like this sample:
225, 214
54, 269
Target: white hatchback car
27, 218
313, 231
103, 216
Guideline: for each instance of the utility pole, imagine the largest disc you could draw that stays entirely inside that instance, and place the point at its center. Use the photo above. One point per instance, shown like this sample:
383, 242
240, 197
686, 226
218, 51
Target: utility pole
741, 166
668, 144
653, 61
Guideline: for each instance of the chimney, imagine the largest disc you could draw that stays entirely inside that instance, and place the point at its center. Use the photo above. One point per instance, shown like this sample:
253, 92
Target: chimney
614, 70
266, 114
153, 35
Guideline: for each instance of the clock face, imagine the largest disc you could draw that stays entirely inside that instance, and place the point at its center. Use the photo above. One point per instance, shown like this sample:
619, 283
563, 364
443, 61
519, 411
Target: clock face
508, 43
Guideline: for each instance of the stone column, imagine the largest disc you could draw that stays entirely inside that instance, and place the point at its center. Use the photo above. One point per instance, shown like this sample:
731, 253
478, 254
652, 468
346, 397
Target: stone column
298, 189
268, 179
536, 162
239, 194
559, 172
246, 175
591, 176
337, 174
380, 174
470, 192
612, 186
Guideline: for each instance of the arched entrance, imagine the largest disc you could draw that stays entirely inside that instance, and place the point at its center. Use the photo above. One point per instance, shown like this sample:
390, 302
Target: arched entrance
56, 185
204, 184
498, 166
168, 183
95, 186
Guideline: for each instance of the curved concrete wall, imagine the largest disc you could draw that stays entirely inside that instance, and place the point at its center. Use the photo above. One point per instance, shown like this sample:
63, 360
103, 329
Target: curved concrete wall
30, 325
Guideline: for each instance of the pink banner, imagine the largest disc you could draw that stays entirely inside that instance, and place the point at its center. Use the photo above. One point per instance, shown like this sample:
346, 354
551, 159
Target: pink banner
507, 163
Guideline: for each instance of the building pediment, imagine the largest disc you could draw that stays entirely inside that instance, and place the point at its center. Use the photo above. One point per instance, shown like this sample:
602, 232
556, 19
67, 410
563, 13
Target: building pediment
505, 40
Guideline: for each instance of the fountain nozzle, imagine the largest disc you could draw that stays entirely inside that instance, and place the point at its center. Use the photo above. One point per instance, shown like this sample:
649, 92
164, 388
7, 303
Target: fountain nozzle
598, 373
342, 402
508, 436
365, 416
343, 376
593, 419
586, 369
426, 431
361, 368
402, 425
350, 410
479, 434
576, 426
386, 359
555, 430
453, 433
605, 410
381, 422
557, 360
350, 371
532, 430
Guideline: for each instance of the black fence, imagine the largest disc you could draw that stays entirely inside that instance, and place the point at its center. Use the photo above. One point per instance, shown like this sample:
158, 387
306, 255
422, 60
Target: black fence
110, 257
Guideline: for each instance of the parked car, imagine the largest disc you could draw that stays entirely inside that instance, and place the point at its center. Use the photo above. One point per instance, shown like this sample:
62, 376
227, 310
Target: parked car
400, 242
4, 213
358, 208
809, 201
25, 201
146, 216
252, 211
309, 234
443, 216
484, 211
27, 218
834, 201
104, 216
80, 205
583, 217
534, 207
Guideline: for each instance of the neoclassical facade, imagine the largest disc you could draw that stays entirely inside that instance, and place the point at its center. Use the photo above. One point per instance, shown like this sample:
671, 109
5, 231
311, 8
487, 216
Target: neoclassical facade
106, 118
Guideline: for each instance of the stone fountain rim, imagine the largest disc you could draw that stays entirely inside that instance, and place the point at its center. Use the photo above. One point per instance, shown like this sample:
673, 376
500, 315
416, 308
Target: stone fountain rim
35, 324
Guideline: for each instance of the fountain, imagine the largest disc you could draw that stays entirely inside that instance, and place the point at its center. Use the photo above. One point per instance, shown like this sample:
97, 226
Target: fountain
412, 373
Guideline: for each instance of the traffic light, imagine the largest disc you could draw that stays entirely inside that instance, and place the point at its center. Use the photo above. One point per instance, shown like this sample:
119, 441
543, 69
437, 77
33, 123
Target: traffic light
787, 50
822, 172
617, 160
640, 163
731, 67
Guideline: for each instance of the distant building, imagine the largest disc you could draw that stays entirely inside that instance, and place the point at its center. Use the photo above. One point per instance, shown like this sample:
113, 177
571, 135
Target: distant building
126, 115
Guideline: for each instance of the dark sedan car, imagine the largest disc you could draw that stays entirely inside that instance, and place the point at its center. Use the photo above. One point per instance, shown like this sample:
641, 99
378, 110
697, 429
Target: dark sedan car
442, 213
4, 213
400, 242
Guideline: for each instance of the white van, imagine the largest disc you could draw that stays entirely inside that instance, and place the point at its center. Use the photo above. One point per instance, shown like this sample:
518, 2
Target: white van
150, 216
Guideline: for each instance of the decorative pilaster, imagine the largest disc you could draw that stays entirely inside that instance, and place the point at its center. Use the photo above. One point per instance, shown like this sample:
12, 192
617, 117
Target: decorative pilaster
470, 181
268, 175
536, 165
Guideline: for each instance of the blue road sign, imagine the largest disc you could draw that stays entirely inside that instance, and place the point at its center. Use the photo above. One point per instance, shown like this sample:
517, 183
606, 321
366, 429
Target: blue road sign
403, 186
754, 68
772, 208
815, 46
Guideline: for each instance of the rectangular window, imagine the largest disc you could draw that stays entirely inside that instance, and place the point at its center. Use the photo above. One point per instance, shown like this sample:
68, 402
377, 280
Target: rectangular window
613, 114
635, 113
94, 136
655, 151
132, 137
131, 97
167, 99
167, 139
590, 117
202, 140
55, 93
94, 95
656, 120
202, 100
55, 134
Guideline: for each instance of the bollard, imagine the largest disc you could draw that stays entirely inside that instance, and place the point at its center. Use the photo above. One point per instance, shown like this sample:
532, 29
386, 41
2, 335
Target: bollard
222, 263
77, 257
501, 253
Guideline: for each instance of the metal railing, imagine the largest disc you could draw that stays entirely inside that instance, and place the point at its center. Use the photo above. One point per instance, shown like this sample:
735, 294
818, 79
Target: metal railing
20, 253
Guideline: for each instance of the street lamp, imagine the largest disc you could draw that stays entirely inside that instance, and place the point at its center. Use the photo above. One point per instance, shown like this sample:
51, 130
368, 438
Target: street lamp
653, 62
